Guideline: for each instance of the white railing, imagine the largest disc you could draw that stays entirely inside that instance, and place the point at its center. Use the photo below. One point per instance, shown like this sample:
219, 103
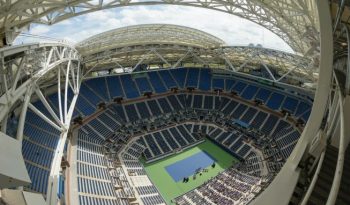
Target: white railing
341, 153
314, 179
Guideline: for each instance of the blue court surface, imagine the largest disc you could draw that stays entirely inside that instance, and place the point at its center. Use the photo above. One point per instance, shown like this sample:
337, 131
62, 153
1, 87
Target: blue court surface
188, 166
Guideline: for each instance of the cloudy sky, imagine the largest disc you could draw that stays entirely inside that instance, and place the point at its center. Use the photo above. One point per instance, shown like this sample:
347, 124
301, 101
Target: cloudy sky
233, 30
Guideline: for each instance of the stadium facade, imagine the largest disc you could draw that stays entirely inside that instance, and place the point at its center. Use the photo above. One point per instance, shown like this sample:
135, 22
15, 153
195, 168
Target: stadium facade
102, 121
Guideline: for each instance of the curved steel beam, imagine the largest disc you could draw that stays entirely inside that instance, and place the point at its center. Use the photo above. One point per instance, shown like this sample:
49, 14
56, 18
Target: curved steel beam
286, 18
284, 183
24, 69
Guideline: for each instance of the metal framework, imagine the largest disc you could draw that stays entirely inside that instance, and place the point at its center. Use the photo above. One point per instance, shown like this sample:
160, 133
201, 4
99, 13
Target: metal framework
148, 34
171, 46
294, 21
26, 71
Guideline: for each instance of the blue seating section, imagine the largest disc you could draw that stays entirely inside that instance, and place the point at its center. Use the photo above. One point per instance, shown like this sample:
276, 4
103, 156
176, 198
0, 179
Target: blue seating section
167, 136
263, 95
39, 178
168, 79
152, 145
269, 124
89, 95
154, 107
180, 76
259, 120
105, 89
41, 138
38, 135
37, 154
129, 86
205, 80
93, 90
302, 108
249, 92
239, 87
165, 141
162, 144
88, 200
143, 110
95, 187
275, 101
229, 84
100, 87
208, 102
84, 106
131, 112
114, 86
164, 105
218, 83
157, 82
143, 85
192, 78
290, 104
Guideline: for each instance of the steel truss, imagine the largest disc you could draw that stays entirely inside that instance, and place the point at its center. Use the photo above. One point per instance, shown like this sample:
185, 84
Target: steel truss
294, 21
242, 59
26, 72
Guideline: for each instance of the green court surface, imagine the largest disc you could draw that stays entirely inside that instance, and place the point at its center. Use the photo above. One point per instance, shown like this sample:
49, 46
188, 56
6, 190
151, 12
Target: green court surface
171, 189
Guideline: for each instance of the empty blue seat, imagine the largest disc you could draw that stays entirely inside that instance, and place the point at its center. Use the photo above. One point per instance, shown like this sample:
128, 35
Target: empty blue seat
275, 101
157, 82
164, 105
230, 107
114, 86
174, 102
218, 83
41, 136
39, 178
84, 106
239, 111
270, 124
131, 112
208, 102
178, 137
154, 107
143, 85
168, 79
185, 134
302, 108
162, 144
259, 119
143, 110
169, 139
244, 150
223, 136
89, 95
290, 104
192, 78
180, 76
129, 86
205, 79
197, 101
119, 111
249, 92
99, 86
247, 117
229, 84
37, 154
263, 95
152, 145
239, 87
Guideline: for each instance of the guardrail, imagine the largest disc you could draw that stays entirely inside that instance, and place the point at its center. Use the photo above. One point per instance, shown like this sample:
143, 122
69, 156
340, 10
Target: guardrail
341, 153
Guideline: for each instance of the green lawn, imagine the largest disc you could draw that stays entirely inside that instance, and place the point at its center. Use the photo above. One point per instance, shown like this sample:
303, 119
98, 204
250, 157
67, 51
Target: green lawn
171, 189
